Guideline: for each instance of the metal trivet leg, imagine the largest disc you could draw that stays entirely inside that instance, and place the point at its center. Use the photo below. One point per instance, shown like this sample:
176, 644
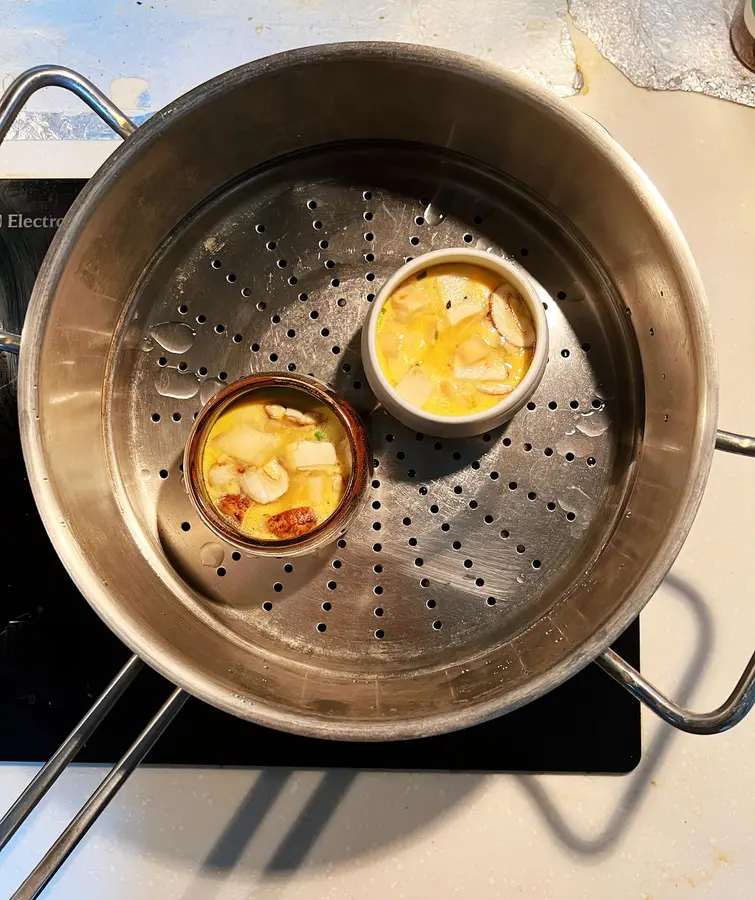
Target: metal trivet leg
48, 774
39, 877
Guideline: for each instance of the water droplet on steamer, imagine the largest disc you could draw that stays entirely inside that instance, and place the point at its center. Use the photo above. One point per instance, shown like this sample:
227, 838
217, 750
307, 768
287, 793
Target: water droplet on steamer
433, 215
211, 554
209, 389
176, 384
595, 425
175, 337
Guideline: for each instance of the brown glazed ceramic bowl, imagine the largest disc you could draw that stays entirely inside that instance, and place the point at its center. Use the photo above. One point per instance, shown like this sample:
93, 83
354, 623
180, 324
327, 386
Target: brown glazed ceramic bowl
357, 483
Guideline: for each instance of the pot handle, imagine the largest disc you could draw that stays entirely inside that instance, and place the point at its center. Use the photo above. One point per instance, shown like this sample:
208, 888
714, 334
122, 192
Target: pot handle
15, 98
742, 698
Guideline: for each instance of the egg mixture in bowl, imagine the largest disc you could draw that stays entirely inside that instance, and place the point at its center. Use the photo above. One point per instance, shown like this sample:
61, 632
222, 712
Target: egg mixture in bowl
457, 342
277, 462
453, 339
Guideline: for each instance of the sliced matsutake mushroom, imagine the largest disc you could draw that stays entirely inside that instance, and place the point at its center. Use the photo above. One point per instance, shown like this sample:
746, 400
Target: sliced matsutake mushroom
261, 487
301, 418
496, 388
274, 468
415, 387
308, 455
223, 475
511, 317
490, 370
275, 411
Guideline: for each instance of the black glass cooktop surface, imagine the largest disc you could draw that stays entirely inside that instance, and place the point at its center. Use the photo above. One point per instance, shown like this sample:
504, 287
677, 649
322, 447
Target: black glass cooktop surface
56, 656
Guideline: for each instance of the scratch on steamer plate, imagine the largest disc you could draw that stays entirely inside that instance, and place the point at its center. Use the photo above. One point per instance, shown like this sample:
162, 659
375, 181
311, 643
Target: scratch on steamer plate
390, 215
450, 684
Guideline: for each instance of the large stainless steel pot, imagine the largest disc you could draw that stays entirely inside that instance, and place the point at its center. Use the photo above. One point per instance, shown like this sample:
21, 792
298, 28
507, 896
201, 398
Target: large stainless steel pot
84, 318
193, 226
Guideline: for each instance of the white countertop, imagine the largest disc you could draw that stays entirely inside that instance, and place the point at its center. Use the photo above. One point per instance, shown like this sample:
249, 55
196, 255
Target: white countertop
681, 825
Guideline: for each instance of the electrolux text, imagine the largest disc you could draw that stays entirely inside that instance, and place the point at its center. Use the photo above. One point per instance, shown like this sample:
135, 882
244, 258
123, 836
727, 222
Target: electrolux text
18, 220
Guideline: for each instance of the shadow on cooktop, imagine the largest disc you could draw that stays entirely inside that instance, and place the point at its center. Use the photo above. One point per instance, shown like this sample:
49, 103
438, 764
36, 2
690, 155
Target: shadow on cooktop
289, 820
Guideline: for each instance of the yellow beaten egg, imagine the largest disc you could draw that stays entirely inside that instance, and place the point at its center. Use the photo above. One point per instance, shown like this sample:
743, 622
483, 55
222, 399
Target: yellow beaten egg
275, 464
455, 339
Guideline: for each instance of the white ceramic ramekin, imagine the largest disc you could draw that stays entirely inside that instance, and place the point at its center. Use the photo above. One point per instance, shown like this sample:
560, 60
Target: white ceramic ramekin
476, 423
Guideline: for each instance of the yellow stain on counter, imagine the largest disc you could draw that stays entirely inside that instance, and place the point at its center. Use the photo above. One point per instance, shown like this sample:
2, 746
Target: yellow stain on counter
125, 92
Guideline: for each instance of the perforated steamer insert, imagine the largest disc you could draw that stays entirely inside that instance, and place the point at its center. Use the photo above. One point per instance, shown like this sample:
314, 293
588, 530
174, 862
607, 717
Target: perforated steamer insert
463, 541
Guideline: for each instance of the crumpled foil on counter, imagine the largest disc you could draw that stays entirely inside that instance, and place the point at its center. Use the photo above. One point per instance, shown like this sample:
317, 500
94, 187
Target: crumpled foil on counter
672, 46
56, 126
167, 49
